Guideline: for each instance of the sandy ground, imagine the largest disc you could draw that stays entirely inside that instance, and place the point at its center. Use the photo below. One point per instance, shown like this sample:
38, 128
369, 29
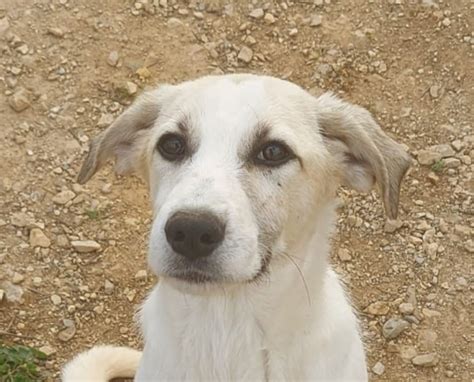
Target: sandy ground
69, 67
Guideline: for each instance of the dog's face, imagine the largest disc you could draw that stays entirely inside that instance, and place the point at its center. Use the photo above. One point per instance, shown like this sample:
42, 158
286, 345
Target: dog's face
238, 168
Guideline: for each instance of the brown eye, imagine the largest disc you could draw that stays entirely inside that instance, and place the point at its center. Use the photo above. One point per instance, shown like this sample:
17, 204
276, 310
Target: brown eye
274, 154
172, 147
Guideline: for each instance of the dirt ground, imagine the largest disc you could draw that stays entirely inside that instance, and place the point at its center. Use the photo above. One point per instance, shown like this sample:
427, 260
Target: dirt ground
68, 67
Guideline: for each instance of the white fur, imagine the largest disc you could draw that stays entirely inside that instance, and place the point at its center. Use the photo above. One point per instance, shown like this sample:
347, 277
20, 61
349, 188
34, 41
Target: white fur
294, 322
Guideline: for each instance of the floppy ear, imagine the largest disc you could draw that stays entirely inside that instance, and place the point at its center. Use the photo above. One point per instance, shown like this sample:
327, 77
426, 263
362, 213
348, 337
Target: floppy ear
122, 138
365, 153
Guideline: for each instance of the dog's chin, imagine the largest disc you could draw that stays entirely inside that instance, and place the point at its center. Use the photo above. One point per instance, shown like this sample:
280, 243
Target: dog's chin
199, 282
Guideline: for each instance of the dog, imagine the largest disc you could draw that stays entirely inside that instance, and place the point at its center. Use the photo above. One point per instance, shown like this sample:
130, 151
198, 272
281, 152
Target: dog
243, 172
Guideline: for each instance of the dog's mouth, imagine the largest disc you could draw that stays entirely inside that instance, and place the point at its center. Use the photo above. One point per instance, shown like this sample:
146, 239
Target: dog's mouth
194, 276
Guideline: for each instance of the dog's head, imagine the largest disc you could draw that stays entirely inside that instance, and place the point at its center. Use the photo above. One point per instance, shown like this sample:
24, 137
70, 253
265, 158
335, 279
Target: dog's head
239, 166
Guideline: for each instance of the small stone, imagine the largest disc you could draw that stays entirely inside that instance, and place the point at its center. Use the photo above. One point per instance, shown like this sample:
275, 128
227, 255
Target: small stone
344, 254
99, 309
37, 281
105, 120
20, 101
378, 308
434, 91
21, 219
469, 246
85, 246
23, 49
108, 287
426, 360
429, 313
293, 32
48, 350
17, 278
56, 300
452, 163
245, 54
394, 327
406, 308
2, 295
56, 32
67, 334
141, 275
392, 225
63, 197
131, 88
257, 13
269, 18
173, 22
433, 178
113, 58
446, 22
12, 293
315, 21
378, 368
39, 239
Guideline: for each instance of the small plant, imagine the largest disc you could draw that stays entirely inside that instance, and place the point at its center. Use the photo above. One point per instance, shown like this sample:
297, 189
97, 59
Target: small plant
19, 363
438, 166
93, 214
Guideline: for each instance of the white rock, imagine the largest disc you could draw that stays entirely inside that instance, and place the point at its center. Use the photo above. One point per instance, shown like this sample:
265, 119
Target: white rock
394, 327
105, 120
39, 239
21, 219
131, 87
113, 58
85, 246
63, 197
56, 299
315, 21
378, 308
427, 360
17, 278
245, 54
20, 100
48, 350
257, 13
141, 275
344, 254
378, 368
406, 308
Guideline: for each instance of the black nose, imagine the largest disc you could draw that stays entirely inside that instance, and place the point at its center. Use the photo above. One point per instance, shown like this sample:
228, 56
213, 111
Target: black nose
194, 234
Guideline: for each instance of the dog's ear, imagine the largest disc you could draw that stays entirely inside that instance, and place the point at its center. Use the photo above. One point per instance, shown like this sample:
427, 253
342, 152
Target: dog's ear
122, 138
364, 152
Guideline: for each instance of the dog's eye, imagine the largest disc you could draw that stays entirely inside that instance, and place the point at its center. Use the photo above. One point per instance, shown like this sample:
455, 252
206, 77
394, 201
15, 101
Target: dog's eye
274, 154
172, 146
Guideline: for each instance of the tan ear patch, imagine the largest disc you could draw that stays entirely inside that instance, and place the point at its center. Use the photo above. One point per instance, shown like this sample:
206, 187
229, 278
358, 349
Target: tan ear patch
364, 151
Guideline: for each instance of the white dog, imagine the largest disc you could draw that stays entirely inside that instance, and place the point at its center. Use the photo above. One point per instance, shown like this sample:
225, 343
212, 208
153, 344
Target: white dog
243, 172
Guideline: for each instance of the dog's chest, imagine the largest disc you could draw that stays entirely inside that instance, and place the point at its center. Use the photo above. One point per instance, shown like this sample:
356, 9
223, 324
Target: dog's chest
200, 340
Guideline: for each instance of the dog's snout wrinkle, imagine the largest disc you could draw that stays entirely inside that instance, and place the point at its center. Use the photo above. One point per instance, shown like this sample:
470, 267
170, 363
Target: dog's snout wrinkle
194, 234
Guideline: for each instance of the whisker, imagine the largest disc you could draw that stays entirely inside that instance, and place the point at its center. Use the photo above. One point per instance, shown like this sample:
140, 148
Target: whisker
301, 275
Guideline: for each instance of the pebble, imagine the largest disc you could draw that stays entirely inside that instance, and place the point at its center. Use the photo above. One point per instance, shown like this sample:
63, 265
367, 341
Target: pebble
315, 21
12, 293
257, 13
392, 225
113, 58
2, 295
17, 278
406, 308
108, 287
141, 275
293, 32
434, 91
269, 18
344, 254
378, 308
434, 153
407, 352
85, 246
378, 368
427, 360
67, 334
63, 197
20, 100
48, 350
39, 239
56, 300
394, 327
21, 219
245, 54
173, 22
4, 25
56, 32
131, 88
